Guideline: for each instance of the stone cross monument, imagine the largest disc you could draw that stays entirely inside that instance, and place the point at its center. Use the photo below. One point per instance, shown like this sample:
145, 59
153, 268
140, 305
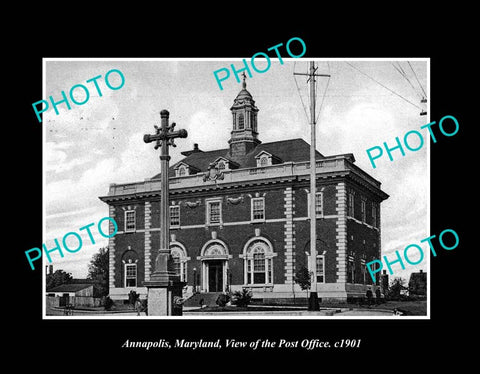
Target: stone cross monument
164, 286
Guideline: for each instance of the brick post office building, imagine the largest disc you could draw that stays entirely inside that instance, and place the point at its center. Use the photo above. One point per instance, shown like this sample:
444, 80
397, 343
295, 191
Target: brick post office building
239, 218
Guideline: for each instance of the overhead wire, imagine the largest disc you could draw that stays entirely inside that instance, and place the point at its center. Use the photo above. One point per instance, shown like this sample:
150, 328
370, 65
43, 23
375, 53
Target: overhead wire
400, 67
404, 75
381, 84
424, 93
324, 92
298, 90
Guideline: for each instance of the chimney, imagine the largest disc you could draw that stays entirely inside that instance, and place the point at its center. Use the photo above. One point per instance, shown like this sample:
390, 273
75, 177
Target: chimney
194, 150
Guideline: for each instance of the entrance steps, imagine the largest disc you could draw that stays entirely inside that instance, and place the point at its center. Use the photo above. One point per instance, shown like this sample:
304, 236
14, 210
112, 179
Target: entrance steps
207, 298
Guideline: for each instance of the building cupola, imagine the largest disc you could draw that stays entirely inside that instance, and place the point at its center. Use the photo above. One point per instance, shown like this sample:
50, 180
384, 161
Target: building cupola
244, 135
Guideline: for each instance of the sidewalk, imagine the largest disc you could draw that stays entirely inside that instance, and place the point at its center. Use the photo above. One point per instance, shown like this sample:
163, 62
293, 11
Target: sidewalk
301, 312
192, 312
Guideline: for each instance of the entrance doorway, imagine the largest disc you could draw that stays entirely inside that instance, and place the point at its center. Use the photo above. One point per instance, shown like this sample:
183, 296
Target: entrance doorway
214, 256
215, 275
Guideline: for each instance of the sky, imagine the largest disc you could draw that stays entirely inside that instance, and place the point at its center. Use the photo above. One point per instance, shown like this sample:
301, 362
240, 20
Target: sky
101, 142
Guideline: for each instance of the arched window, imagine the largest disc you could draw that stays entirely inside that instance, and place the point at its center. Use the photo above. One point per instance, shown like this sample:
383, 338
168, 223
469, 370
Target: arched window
221, 165
258, 263
179, 262
241, 121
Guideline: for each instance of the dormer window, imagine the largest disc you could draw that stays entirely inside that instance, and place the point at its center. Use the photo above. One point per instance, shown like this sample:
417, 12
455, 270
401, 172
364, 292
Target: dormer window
224, 164
182, 171
264, 161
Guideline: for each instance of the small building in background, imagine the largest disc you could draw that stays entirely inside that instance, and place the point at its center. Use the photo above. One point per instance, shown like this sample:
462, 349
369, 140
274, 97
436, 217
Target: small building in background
74, 294
417, 285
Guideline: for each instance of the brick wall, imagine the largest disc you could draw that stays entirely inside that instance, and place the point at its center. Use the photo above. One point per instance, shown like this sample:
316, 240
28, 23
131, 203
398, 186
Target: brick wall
287, 228
325, 242
138, 207
301, 199
136, 241
363, 239
235, 237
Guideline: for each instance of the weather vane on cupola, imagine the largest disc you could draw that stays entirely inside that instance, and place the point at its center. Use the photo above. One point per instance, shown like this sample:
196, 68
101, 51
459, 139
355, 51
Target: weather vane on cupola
244, 84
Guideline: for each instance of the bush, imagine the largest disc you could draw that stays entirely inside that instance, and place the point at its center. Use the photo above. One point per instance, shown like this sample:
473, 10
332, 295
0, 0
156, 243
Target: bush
108, 303
132, 297
242, 298
222, 300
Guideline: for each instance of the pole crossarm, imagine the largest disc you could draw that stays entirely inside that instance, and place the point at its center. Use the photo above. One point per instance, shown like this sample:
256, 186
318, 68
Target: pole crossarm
316, 75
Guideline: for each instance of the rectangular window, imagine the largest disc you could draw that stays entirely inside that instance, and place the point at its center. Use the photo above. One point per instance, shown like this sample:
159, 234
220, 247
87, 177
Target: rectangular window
130, 275
318, 204
258, 209
351, 200
258, 268
214, 212
177, 266
364, 210
320, 269
269, 271
351, 271
175, 216
180, 268
130, 220
374, 214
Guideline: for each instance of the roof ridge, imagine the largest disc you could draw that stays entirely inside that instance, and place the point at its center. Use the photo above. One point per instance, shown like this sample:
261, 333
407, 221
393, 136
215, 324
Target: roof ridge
285, 150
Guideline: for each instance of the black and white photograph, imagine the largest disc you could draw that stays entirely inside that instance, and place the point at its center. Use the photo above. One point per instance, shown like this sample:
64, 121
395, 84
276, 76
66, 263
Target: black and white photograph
232, 237
237, 195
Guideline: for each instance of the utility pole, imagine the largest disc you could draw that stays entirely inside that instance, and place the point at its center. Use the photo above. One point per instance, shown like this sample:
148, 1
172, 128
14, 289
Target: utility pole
313, 298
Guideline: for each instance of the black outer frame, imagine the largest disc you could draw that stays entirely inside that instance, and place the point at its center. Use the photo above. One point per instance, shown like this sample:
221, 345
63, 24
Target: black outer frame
449, 274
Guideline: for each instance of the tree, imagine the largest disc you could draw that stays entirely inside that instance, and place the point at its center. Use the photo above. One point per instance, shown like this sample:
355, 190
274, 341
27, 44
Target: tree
98, 271
57, 278
303, 278
396, 286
